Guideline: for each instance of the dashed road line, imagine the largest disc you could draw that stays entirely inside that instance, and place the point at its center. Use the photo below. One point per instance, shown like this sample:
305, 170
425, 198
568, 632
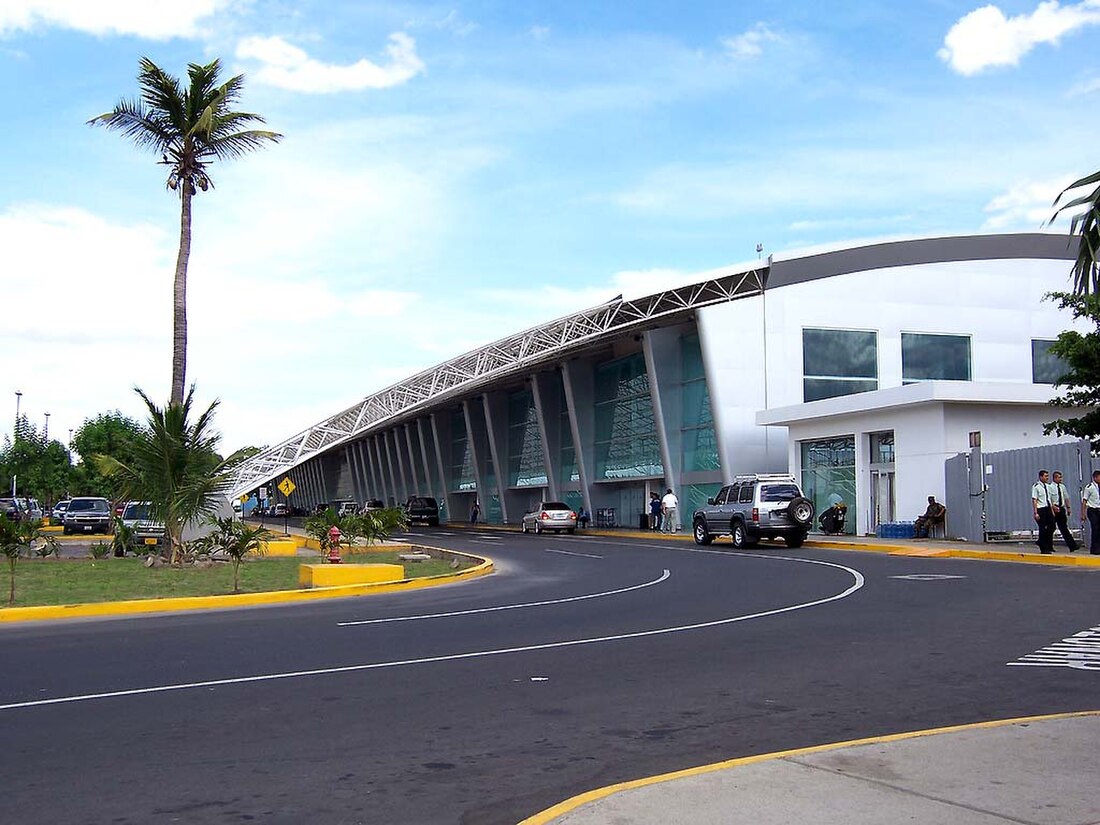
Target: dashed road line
570, 553
664, 575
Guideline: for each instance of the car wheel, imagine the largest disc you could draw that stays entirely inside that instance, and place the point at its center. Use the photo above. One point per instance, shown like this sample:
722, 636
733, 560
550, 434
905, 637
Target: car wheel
801, 510
523, 526
65, 531
737, 533
700, 533
794, 541
571, 530
538, 528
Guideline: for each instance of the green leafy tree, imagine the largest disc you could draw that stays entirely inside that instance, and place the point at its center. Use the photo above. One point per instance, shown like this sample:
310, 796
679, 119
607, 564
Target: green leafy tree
1080, 352
110, 433
1085, 222
18, 538
237, 540
189, 128
175, 467
41, 467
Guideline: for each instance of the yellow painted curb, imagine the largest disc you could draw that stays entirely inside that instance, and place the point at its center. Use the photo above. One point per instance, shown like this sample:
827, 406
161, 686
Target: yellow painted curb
53, 529
334, 575
136, 606
571, 804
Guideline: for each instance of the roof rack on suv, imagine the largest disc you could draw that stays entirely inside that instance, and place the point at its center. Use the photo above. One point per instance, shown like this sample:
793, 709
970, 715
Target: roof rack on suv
765, 477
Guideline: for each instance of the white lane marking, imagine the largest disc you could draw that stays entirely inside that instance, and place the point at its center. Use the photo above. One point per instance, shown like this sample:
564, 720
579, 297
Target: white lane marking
475, 654
1081, 651
568, 553
664, 575
489, 538
927, 577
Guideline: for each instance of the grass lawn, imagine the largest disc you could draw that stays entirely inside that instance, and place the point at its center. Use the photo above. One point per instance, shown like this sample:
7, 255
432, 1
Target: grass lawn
76, 581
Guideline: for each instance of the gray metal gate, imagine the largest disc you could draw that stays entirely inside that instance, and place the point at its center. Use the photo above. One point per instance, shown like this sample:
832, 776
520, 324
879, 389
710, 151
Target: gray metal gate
996, 488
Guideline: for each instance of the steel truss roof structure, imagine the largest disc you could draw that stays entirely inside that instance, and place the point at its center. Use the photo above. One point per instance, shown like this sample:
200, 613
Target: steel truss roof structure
467, 373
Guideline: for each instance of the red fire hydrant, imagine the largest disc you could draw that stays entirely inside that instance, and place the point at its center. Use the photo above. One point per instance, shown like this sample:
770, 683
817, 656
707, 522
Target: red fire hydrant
334, 545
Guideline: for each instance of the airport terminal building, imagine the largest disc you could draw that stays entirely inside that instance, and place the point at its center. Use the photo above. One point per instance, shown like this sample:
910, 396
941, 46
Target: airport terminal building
860, 371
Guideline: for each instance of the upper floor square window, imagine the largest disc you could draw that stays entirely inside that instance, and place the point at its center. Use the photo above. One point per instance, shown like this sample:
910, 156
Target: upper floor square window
838, 362
930, 357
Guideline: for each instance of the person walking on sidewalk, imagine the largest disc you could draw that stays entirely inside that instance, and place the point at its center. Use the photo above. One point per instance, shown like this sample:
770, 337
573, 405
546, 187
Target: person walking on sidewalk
1059, 502
669, 504
1044, 515
654, 512
1090, 511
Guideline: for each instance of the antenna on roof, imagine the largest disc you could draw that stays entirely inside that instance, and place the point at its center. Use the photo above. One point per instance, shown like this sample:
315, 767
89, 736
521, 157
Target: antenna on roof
759, 249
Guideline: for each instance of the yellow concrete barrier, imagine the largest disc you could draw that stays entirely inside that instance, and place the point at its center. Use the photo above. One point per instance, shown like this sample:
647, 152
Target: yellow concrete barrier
282, 547
336, 575
54, 529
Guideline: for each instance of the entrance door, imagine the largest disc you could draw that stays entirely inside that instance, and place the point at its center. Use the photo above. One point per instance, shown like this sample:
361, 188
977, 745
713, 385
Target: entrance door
882, 498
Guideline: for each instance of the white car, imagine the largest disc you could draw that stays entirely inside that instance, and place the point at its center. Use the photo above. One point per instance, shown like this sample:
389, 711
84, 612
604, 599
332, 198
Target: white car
550, 515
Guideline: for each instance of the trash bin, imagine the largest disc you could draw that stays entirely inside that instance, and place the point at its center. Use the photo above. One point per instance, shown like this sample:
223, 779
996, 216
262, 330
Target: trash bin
643, 521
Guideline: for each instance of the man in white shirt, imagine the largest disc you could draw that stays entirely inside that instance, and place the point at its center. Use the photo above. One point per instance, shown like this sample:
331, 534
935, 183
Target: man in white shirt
1044, 515
1090, 512
1059, 502
669, 504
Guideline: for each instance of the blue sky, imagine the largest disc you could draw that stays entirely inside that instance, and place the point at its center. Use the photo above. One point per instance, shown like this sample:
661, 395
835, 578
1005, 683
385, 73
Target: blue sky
455, 172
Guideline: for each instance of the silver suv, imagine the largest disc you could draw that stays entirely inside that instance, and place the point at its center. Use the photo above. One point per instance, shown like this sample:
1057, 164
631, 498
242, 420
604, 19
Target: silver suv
754, 507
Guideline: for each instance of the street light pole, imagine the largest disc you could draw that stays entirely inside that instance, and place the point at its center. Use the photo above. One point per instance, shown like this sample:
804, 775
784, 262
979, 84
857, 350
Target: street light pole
18, 396
46, 431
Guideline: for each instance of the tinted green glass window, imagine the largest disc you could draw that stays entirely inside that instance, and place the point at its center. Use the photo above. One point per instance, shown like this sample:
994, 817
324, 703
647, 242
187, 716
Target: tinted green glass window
626, 436
838, 362
699, 445
525, 462
829, 474
1046, 368
926, 357
462, 460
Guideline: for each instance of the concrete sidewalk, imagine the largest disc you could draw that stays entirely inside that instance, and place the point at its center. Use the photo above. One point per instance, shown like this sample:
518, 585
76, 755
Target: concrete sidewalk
1043, 770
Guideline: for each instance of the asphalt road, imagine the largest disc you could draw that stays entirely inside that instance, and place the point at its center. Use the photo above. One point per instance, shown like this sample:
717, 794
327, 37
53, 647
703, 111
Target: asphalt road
584, 661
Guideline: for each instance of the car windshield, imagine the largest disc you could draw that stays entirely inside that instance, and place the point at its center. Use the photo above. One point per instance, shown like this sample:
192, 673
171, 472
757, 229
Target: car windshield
61, 505
554, 505
779, 492
422, 502
138, 511
89, 505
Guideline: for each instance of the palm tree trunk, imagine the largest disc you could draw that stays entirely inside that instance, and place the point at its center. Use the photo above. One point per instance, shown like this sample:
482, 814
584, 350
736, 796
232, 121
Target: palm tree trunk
236, 574
179, 297
11, 589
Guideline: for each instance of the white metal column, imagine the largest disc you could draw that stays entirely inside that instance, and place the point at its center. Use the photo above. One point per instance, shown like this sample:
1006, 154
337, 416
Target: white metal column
575, 430
659, 414
482, 490
412, 461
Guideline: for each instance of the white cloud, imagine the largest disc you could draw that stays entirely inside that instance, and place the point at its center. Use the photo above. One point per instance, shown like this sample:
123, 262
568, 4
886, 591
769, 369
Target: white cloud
155, 21
1024, 206
539, 33
985, 38
750, 44
289, 67
1086, 87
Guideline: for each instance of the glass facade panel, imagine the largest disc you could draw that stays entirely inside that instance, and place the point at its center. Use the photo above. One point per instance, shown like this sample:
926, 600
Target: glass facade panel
1046, 368
700, 447
695, 497
927, 357
525, 463
829, 474
838, 362
626, 436
462, 460
882, 447
567, 459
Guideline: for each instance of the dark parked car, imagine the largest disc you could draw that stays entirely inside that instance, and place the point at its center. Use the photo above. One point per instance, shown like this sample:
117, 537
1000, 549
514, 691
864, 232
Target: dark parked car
11, 508
422, 510
755, 507
88, 515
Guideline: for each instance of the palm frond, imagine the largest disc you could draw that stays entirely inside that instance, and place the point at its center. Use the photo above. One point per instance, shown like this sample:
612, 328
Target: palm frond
1086, 225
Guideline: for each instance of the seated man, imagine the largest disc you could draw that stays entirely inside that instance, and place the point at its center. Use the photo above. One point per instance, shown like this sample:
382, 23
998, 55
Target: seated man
934, 514
832, 520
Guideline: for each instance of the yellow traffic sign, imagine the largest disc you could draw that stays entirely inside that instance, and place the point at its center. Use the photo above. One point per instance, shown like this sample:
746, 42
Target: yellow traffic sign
244, 499
287, 486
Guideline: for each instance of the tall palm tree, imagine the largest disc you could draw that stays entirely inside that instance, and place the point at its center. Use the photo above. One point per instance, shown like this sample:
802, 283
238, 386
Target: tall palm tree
1086, 223
175, 467
189, 128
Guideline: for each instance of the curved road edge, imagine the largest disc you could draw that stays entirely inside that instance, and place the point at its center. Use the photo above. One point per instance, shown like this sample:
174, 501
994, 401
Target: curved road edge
576, 803
484, 567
